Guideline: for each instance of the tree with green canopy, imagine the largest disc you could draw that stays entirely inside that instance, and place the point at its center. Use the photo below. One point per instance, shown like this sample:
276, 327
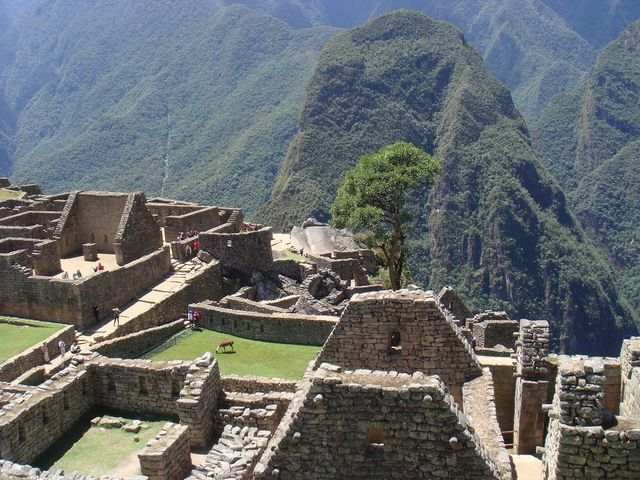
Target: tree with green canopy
372, 196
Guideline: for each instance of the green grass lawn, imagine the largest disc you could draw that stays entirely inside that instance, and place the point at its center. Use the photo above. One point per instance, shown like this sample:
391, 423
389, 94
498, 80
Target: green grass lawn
251, 357
16, 338
98, 451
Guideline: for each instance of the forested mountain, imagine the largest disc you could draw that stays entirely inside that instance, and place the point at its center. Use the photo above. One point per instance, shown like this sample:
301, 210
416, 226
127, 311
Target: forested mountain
538, 48
190, 99
496, 225
589, 139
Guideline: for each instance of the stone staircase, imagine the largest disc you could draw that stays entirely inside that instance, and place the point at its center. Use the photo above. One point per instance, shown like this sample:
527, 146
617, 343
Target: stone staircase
234, 455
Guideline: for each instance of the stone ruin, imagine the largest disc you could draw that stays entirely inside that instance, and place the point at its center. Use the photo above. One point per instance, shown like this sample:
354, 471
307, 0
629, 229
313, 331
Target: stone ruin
408, 384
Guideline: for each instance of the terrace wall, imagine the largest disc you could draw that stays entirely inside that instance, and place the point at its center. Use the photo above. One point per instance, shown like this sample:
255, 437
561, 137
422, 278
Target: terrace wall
275, 327
29, 428
168, 456
138, 385
200, 220
34, 356
69, 301
134, 344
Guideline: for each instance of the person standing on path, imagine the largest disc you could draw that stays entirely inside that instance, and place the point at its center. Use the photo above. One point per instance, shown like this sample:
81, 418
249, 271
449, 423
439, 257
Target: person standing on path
96, 312
45, 352
116, 316
63, 347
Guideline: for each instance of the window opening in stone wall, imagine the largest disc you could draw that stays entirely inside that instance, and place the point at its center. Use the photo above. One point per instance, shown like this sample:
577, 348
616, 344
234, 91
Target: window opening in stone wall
222, 321
395, 343
106, 239
259, 240
45, 416
65, 401
248, 326
111, 385
143, 386
175, 388
84, 388
235, 324
375, 442
261, 328
66, 241
22, 437
93, 238
76, 237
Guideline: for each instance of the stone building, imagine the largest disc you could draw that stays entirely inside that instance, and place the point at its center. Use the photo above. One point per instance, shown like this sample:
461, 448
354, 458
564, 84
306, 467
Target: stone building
408, 384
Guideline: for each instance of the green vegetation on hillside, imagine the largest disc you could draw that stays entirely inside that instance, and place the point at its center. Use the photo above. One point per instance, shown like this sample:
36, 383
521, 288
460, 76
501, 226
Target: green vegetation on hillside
16, 337
589, 139
250, 357
186, 99
496, 226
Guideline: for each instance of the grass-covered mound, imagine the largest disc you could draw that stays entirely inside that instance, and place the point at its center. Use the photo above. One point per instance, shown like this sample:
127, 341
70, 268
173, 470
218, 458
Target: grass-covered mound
16, 337
251, 357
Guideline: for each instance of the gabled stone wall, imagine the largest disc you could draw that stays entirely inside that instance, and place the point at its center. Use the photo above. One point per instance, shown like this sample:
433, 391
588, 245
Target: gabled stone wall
403, 331
374, 425
138, 234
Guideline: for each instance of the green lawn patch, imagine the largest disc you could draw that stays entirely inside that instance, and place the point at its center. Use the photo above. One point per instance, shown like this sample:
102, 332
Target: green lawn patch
98, 451
9, 194
14, 338
251, 357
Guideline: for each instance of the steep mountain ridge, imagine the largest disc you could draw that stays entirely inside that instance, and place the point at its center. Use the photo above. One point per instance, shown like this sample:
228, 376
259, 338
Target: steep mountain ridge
498, 228
589, 139
526, 44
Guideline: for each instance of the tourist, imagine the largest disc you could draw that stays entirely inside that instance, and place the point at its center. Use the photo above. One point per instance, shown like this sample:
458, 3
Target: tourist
96, 312
189, 315
65, 276
75, 348
45, 352
95, 269
196, 246
188, 250
100, 266
62, 347
78, 274
116, 316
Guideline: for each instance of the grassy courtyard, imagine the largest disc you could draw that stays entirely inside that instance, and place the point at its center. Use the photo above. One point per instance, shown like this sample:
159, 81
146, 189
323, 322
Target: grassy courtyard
16, 338
96, 451
9, 194
251, 357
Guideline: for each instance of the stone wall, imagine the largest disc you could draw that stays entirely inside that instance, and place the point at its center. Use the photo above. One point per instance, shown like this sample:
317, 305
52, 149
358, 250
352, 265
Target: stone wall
630, 375
69, 301
491, 333
374, 425
532, 386
200, 220
403, 331
274, 327
450, 301
34, 356
138, 234
90, 217
134, 344
577, 445
168, 456
243, 251
43, 416
237, 383
138, 385
504, 384
198, 400
162, 210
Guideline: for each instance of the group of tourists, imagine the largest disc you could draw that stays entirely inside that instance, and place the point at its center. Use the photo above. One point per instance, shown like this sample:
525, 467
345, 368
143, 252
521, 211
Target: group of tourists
115, 311
194, 317
185, 235
75, 276
75, 348
98, 268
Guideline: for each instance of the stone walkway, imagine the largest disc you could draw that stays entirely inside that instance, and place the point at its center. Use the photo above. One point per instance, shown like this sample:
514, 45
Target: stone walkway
163, 289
